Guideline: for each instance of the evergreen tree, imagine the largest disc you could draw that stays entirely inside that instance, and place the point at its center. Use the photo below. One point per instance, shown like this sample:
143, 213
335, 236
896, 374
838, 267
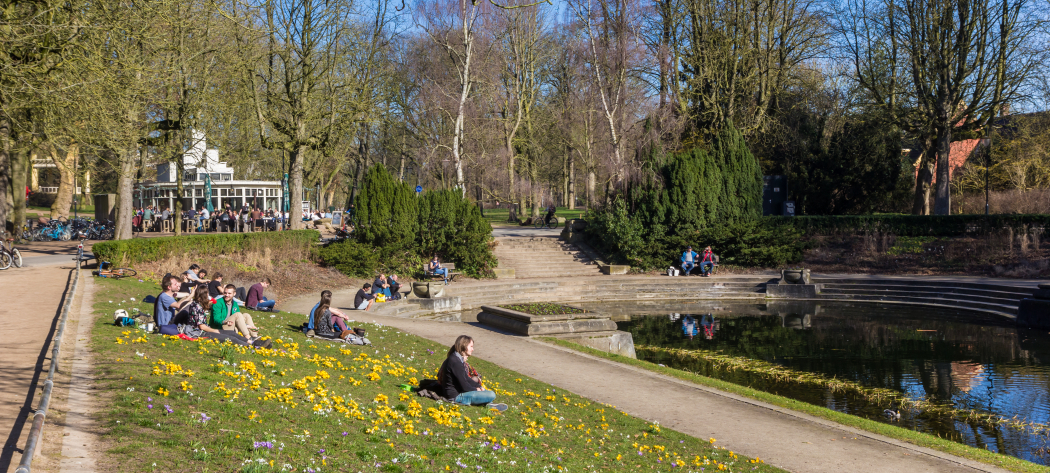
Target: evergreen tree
740, 200
452, 227
386, 212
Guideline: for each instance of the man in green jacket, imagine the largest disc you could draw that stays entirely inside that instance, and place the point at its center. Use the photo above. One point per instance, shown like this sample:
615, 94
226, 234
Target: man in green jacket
226, 315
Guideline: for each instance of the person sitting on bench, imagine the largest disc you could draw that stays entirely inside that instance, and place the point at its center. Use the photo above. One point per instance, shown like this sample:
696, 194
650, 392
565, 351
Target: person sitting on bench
707, 262
688, 260
434, 267
255, 299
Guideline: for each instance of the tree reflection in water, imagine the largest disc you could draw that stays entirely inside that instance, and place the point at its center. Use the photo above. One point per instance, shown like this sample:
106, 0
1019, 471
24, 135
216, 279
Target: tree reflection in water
966, 359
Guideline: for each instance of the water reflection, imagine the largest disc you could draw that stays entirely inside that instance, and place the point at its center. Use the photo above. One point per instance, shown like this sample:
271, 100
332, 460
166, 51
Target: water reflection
968, 360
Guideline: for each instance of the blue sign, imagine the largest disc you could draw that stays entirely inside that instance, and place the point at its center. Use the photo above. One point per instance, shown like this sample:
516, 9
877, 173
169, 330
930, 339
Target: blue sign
419, 189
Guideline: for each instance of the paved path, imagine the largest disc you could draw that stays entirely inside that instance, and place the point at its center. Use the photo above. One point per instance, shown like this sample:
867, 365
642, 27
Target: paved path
790, 440
28, 315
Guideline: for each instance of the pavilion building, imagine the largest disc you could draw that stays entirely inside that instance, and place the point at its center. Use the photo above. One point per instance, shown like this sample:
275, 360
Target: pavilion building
201, 165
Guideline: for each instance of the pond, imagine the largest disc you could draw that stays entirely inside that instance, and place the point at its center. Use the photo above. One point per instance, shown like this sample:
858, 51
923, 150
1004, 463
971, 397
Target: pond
951, 358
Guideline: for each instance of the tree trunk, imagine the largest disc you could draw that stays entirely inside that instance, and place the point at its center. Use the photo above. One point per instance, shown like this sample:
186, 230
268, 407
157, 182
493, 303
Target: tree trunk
180, 170
943, 202
125, 189
592, 182
19, 159
295, 212
66, 167
5, 188
570, 189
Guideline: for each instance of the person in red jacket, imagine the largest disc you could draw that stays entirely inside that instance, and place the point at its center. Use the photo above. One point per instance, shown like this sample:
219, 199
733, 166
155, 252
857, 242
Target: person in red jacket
707, 262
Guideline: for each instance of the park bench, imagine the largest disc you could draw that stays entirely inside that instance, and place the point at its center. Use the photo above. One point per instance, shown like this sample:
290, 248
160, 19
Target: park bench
449, 266
696, 270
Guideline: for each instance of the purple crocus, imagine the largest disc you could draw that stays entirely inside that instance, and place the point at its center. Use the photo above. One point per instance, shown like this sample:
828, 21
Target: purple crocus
169, 409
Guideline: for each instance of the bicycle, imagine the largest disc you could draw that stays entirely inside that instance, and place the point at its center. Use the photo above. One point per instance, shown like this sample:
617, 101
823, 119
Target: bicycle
113, 273
9, 255
540, 222
82, 235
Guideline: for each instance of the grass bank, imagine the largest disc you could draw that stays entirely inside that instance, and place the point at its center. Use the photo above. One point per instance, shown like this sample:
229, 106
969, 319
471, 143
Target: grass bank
906, 435
314, 406
498, 217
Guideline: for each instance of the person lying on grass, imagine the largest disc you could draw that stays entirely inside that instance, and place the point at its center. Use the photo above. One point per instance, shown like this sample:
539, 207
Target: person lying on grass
193, 320
460, 381
226, 315
325, 320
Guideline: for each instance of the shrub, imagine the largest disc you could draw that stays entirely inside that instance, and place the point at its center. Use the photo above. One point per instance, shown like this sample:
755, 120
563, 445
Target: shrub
351, 258
452, 227
914, 225
386, 212
293, 244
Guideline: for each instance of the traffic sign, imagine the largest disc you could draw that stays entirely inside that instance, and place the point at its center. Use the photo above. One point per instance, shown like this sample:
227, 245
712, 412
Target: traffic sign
419, 189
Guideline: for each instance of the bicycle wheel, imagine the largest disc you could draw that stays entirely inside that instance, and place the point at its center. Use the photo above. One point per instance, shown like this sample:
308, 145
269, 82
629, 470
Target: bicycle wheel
123, 272
16, 257
5, 259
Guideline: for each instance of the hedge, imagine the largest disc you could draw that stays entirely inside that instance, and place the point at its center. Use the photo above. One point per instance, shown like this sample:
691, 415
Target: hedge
914, 225
140, 250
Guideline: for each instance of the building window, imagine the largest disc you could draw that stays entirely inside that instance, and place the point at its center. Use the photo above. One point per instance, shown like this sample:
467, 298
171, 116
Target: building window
237, 192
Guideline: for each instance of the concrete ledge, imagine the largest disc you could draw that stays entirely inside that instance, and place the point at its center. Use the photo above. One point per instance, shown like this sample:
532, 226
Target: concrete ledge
535, 325
616, 342
504, 273
440, 304
792, 291
615, 269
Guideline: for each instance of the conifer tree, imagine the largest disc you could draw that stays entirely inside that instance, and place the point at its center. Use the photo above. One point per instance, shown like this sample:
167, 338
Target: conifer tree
740, 199
386, 211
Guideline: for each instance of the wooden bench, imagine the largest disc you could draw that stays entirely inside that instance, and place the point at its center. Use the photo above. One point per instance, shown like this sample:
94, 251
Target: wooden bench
448, 266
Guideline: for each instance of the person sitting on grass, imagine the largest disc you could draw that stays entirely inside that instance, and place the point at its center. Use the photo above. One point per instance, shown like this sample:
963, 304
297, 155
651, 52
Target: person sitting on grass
707, 262
380, 286
192, 273
215, 286
460, 381
165, 308
187, 285
226, 315
435, 268
688, 260
326, 321
256, 301
193, 320
363, 300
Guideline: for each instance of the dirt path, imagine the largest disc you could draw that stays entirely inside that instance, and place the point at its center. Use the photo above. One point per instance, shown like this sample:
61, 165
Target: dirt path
32, 297
785, 438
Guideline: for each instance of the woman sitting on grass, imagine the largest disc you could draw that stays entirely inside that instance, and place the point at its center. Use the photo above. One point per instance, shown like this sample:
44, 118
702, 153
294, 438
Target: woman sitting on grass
328, 321
460, 381
193, 320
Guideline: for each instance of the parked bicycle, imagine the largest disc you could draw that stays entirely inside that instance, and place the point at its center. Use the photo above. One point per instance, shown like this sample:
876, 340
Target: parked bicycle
9, 255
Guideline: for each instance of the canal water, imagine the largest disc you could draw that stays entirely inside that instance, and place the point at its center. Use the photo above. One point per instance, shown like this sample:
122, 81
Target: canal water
954, 357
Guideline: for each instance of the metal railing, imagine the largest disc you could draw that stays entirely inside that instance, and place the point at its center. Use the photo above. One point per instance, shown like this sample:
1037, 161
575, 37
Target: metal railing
37, 431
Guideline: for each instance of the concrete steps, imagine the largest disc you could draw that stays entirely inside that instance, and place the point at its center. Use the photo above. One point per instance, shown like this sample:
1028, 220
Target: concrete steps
1002, 299
543, 257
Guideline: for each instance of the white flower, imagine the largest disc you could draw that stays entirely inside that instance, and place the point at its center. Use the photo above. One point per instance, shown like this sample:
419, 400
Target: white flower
132, 298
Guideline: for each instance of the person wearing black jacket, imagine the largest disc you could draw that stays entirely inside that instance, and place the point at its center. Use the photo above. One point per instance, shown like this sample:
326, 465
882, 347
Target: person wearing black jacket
460, 381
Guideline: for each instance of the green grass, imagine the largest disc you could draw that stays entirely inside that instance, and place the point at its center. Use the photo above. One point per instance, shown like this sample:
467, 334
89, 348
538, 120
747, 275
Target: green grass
498, 217
899, 433
310, 405
543, 308
33, 211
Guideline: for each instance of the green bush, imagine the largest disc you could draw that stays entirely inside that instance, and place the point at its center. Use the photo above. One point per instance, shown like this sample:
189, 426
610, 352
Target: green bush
140, 250
351, 258
452, 227
386, 212
702, 198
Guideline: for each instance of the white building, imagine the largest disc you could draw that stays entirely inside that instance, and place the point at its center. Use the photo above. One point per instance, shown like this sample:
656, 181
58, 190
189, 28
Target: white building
199, 163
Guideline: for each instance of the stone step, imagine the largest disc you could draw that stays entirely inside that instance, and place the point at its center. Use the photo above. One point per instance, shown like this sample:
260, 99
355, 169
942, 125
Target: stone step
1007, 292
1021, 290
962, 304
920, 293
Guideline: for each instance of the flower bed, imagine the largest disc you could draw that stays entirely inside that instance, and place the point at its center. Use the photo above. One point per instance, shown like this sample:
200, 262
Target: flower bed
308, 405
544, 308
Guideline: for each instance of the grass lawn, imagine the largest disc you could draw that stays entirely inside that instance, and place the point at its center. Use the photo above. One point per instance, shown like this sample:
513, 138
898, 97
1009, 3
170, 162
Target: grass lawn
34, 211
309, 405
918, 438
498, 217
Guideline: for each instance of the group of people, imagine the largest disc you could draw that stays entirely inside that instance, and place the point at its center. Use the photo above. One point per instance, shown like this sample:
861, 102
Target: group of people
198, 307
226, 219
706, 262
